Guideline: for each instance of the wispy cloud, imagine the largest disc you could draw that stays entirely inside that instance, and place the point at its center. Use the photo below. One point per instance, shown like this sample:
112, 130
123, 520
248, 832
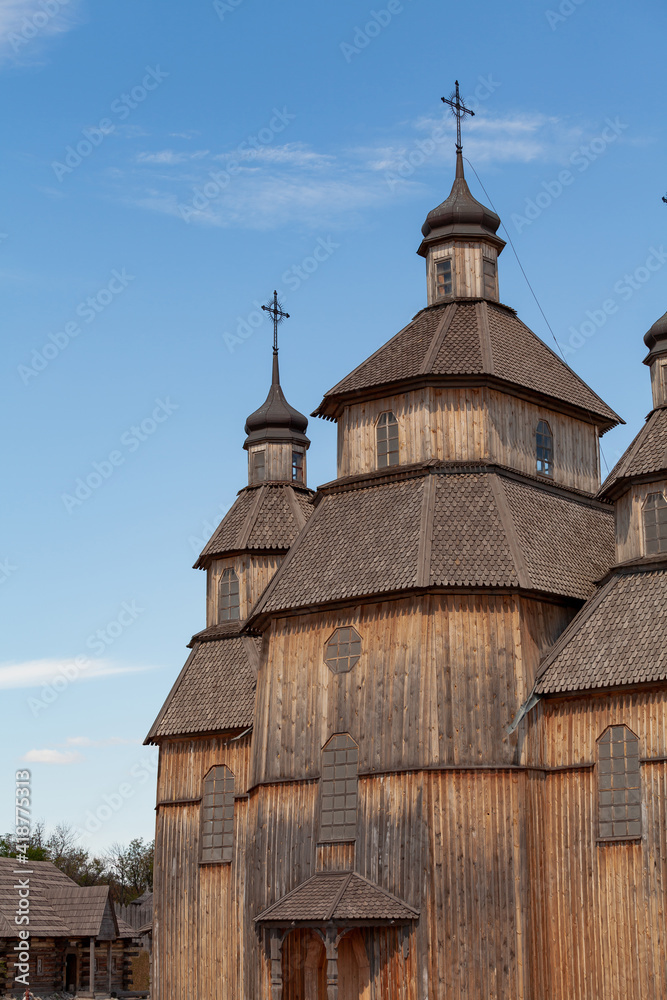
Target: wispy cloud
52, 757
35, 673
26, 25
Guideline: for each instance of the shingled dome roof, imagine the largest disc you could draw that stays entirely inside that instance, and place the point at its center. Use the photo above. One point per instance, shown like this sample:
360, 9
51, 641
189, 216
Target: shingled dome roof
345, 897
617, 639
646, 456
276, 420
461, 214
656, 338
469, 339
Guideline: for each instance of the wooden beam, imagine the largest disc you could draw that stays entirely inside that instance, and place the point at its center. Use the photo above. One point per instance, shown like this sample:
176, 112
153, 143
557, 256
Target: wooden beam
91, 976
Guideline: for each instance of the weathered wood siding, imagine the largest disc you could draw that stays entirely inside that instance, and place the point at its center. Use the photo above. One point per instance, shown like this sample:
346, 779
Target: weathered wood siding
254, 572
630, 521
467, 269
468, 424
598, 925
439, 679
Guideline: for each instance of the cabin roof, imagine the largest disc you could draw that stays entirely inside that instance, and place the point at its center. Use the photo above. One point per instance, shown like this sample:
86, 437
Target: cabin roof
444, 526
340, 896
263, 517
215, 690
645, 456
58, 906
470, 338
618, 638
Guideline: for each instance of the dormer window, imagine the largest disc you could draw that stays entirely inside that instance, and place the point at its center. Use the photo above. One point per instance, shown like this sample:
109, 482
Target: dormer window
444, 278
655, 524
258, 466
387, 440
544, 446
229, 604
297, 467
489, 267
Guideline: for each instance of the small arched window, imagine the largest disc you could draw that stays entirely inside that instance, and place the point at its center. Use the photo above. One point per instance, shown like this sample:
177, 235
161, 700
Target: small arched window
217, 816
387, 440
619, 791
655, 524
338, 789
544, 449
228, 597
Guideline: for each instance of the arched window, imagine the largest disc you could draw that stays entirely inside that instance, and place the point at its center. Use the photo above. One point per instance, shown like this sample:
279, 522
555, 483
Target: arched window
619, 791
228, 597
655, 524
217, 816
544, 444
387, 440
338, 789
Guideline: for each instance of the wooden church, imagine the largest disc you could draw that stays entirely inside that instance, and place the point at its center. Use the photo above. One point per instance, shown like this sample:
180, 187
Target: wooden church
419, 752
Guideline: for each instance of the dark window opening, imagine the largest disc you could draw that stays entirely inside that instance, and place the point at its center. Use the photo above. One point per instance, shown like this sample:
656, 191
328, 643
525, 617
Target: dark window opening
343, 650
297, 467
217, 816
655, 524
259, 466
444, 278
338, 789
489, 268
228, 597
619, 790
545, 449
387, 440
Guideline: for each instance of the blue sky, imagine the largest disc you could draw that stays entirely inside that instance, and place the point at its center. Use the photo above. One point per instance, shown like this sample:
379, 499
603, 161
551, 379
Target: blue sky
164, 167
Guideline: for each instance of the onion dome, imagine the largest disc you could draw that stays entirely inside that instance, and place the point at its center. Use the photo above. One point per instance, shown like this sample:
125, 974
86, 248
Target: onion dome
656, 339
461, 216
276, 420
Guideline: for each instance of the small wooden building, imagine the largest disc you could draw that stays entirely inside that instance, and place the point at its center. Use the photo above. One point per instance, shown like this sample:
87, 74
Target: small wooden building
420, 749
75, 943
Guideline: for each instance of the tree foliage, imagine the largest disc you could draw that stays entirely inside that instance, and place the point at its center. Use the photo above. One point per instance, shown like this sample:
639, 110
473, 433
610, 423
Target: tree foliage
128, 870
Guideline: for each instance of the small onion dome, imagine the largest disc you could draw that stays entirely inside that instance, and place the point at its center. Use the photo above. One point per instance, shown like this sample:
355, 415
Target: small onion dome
461, 215
656, 339
276, 420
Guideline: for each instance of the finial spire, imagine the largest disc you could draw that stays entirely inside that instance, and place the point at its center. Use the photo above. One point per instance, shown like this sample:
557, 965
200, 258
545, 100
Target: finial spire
458, 110
276, 313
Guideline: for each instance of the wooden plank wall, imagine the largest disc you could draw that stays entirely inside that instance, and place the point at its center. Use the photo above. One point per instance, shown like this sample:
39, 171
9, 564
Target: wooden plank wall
467, 266
439, 680
599, 924
630, 521
254, 572
467, 424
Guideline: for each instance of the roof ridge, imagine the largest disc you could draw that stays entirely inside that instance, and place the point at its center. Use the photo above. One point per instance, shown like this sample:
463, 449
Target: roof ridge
438, 337
482, 310
251, 517
339, 894
423, 575
507, 521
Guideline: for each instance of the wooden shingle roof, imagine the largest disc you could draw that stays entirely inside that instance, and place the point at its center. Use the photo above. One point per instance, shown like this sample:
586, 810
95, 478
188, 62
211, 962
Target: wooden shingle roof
473, 340
617, 639
215, 690
263, 517
647, 455
444, 527
343, 897
58, 906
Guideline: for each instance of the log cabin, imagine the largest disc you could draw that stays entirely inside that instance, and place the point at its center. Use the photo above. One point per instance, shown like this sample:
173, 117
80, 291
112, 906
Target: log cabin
420, 749
76, 943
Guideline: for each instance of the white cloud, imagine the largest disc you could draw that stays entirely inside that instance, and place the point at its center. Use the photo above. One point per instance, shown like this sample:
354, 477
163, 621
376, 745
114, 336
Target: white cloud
85, 741
52, 757
35, 673
25, 26
168, 157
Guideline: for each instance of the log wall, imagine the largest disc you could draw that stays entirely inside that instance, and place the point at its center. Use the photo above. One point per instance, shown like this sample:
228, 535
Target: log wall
468, 424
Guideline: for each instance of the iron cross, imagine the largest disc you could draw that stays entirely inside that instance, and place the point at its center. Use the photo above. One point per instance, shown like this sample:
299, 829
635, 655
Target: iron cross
458, 110
277, 315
